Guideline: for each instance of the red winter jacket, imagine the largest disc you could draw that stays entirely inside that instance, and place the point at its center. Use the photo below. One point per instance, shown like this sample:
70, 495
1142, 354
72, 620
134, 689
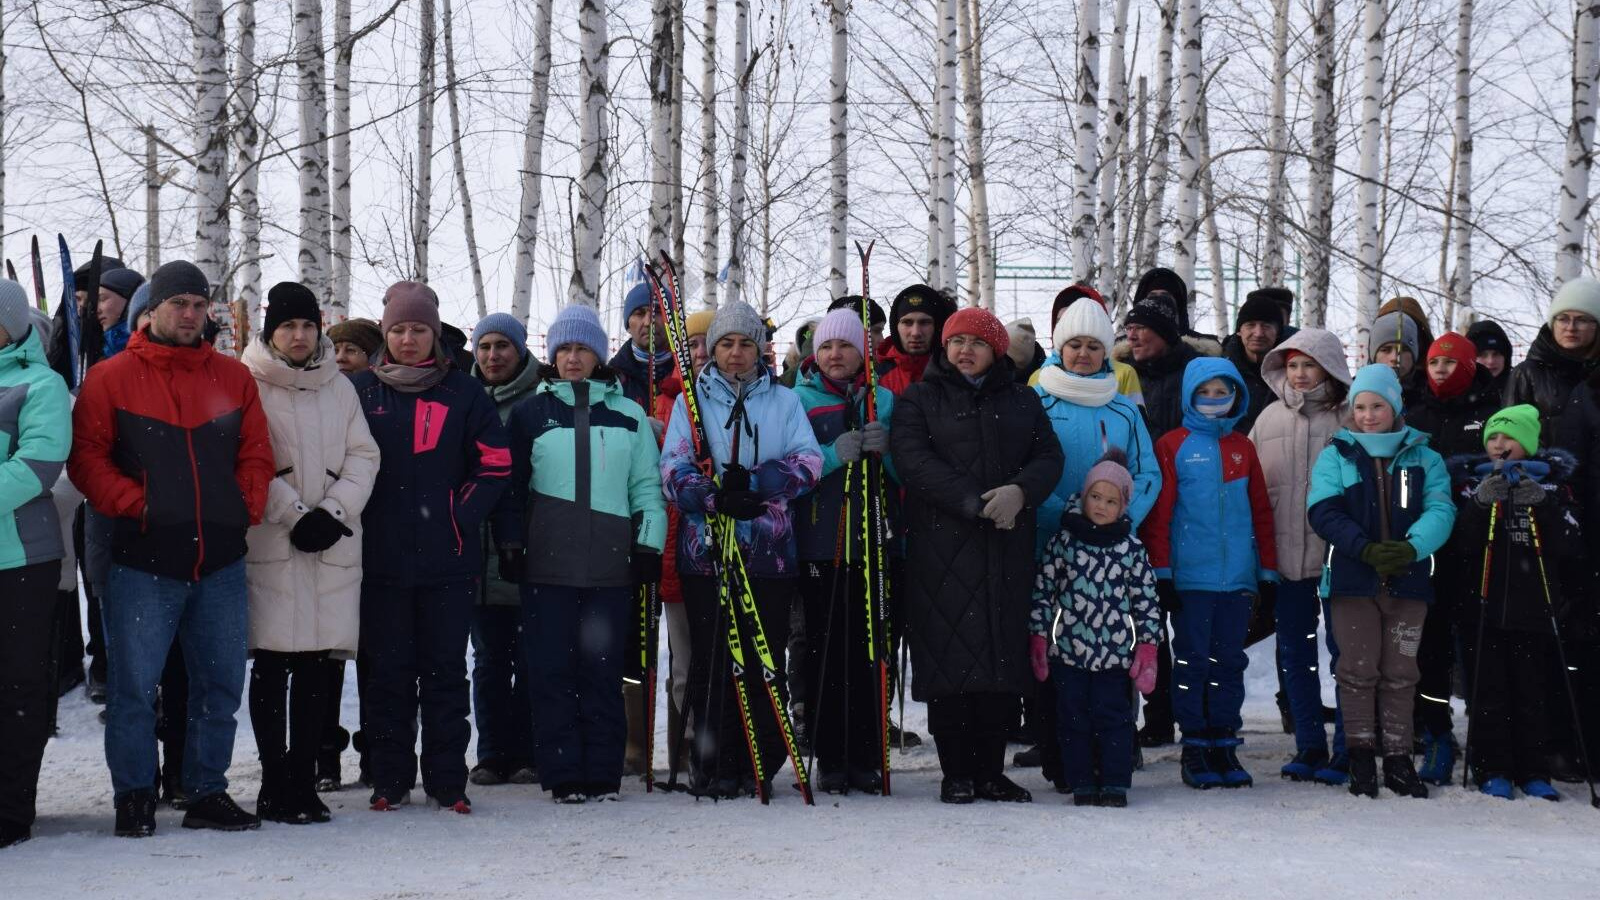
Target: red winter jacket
907, 369
171, 442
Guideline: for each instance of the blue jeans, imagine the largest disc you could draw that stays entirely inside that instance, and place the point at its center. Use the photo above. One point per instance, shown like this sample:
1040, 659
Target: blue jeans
573, 643
1296, 614
500, 704
1208, 661
142, 614
1094, 712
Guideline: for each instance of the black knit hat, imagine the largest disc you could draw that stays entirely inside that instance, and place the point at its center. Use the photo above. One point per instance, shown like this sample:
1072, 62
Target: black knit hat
1279, 295
924, 299
1158, 313
1161, 279
289, 300
122, 282
1259, 307
1487, 335
175, 278
853, 302
81, 273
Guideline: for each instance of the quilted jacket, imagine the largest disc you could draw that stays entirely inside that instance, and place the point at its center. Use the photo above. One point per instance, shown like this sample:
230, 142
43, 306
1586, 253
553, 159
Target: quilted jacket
1095, 595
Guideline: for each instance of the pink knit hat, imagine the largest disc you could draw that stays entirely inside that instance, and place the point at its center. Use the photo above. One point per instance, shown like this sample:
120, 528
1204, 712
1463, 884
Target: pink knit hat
840, 325
1113, 470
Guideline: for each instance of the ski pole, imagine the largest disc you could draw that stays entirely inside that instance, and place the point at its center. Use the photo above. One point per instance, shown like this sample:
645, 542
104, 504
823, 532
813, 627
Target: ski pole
1477, 655
1561, 656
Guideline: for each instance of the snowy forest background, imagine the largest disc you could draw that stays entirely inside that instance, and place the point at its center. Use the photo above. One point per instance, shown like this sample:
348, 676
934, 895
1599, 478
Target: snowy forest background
520, 154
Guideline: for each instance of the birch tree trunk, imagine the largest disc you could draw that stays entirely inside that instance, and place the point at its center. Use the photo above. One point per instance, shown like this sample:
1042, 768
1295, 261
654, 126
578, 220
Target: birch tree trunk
678, 78
948, 279
1573, 214
532, 166
211, 162
1272, 270
313, 161
422, 204
1219, 287
1324, 148
737, 212
588, 239
152, 195
662, 78
935, 242
710, 224
1373, 24
1113, 151
1461, 284
839, 131
1190, 75
451, 89
971, 24
1161, 134
2, 136
338, 301
1086, 132
247, 139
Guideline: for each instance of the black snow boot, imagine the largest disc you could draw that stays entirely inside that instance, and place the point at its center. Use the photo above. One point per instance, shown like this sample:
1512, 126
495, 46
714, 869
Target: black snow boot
833, 781
956, 790
218, 812
136, 813
1363, 772
1400, 776
274, 803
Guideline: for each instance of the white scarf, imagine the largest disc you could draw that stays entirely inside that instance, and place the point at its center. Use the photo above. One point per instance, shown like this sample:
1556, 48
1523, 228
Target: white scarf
1083, 390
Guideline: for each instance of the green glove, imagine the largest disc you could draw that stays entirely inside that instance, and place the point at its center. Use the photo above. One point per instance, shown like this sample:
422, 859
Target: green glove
1373, 555
1392, 557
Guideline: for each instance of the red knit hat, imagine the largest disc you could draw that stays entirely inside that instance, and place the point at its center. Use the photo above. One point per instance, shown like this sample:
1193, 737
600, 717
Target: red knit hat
1458, 348
979, 323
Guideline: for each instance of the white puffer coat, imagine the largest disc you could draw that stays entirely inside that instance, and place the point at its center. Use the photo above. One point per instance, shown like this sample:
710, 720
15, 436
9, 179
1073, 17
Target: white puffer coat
326, 457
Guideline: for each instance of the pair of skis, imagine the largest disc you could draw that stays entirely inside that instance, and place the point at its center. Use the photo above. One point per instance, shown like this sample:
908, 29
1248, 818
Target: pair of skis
734, 589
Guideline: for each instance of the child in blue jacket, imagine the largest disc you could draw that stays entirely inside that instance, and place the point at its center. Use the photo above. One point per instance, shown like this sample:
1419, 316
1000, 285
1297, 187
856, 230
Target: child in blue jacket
1380, 497
1211, 541
1095, 613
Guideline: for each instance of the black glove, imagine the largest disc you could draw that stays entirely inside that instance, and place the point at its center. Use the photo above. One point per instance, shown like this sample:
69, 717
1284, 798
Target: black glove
1167, 596
513, 564
645, 566
741, 505
735, 478
316, 531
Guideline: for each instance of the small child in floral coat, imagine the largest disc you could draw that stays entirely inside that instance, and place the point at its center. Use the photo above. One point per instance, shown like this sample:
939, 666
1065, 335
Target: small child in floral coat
1095, 615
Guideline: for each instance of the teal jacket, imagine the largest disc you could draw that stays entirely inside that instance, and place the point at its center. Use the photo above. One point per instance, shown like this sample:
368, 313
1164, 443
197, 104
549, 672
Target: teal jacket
585, 484
35, 435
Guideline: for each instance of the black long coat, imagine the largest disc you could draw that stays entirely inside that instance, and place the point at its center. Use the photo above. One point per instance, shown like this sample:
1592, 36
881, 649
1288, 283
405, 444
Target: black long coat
969, 583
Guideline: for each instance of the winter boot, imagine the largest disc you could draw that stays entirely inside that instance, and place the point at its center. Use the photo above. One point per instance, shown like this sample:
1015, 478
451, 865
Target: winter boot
1113, 797
1086, 796
906, 739
274, 802
389, 801
1031, 758
867, 781
1400, 776
1496, 786
833, 781
1152, 735
1195, 764
301, 788
1305, 764
1438, 758
488, 773
12, 834
1225, 760
1002, 790
218, 812
328, 774
1335, 772
956, 790
136, 814
1564, 766
1363, 772
569, 794
524, 775
1540, 789
603, 791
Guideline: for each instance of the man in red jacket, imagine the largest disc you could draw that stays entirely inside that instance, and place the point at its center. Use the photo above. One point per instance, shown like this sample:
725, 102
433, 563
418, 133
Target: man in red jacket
916, 319
170, 441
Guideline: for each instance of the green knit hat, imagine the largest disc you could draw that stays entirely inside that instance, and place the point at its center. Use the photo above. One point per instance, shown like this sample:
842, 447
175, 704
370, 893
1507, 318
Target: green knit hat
1520, 423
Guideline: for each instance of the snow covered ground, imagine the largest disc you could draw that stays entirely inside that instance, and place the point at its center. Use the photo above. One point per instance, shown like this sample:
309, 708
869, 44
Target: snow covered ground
1275, 840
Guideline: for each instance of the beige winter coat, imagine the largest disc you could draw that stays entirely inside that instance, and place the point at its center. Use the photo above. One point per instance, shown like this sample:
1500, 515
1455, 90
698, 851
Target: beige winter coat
325, 457
1289, 435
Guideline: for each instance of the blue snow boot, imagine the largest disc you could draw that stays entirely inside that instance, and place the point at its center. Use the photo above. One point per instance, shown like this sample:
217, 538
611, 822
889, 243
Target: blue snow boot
1195, 764
1543, 790
1305, 764
1438, 758
1225, 759
1335, 772
1496, 787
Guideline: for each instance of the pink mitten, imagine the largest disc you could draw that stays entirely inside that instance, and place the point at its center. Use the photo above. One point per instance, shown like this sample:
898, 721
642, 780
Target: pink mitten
1143, 672
1038, 655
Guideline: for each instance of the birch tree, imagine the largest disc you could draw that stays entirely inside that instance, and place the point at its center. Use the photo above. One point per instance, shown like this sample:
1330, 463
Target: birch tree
1461, 283
710, 213
971, 26
839, 145
1573, 214
947, 148
247, 139
1085, 129
1373, 24
663, 81
532, 166
679, 76
737, 212
1161, 134
1272, 270
1113, 150
1208, 193
211, 161
313, 161
422, 198
153, 181
452, 89
588, 239
1324, 148
1190, 75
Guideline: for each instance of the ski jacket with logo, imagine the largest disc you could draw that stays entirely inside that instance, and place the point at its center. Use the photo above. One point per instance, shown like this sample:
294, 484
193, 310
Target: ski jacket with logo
817, 514
35, 435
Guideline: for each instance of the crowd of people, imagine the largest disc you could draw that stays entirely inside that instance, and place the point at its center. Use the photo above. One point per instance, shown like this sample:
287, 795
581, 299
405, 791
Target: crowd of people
1122, 515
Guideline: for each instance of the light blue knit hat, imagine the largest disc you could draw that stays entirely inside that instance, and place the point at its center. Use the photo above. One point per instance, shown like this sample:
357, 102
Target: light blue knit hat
502, 323
1379, 379
577, 324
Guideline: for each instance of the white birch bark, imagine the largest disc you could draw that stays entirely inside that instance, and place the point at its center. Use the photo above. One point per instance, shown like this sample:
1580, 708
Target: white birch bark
971, 24
211, 162
839, 146
737, 211
247, 138
313, 160
1086, 112
679, 75
948, 279
1373, 24
1113, 149
1324, 147
453, 102
422, 202
1461, 284
588, 239
1573, 214
1219, 287
710, 215
1190, 74
152, 198
1160, 138
935, 242
1272, 270
338, 302
532, 166
662, 78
